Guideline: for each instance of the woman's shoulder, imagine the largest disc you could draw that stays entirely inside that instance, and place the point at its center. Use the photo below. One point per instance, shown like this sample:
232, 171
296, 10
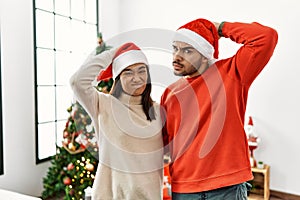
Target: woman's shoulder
156, 107
104, 99
156, 104
103, 95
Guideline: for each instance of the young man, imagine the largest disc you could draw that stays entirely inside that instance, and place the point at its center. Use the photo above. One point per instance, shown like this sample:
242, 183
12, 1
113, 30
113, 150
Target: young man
205, 109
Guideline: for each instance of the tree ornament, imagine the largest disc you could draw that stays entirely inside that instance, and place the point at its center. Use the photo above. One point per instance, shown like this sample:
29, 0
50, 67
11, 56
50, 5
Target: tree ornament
70, 166
66, 134
90, 167
71, 146
67, 180
72, 192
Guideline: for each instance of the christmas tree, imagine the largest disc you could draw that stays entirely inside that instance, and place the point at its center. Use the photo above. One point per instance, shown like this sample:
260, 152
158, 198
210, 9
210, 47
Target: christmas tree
73, 167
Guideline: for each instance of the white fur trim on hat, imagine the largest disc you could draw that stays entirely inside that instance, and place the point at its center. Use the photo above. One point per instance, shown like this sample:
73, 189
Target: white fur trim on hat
197, 41
126, 59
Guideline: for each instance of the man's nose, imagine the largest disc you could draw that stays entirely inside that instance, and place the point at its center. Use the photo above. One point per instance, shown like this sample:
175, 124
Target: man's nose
177, 53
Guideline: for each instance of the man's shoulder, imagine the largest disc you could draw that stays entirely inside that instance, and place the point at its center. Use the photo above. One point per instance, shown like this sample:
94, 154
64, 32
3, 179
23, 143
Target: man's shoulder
172, 86
175, 88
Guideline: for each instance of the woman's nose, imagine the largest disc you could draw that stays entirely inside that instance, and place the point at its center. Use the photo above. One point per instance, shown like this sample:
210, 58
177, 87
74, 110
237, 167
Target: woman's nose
136, 77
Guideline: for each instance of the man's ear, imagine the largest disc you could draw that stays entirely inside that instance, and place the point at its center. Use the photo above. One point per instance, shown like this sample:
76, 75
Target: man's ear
204, 59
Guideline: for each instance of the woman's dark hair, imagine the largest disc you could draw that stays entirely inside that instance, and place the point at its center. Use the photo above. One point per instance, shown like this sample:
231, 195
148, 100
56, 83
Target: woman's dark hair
147, 101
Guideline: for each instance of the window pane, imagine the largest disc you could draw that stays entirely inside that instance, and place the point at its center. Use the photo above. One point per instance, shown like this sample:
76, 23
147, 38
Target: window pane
63, 68
63, 34
77, 9
44, 29
45, 5
46, 104
64, 99
46, 140
87, 34
1, 127
90, 17
62, 7
45, 70
90, 39
76, 60
78, 31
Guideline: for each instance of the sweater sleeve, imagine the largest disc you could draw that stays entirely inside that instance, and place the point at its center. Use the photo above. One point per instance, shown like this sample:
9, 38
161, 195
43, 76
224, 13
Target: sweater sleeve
258, 46
82, 81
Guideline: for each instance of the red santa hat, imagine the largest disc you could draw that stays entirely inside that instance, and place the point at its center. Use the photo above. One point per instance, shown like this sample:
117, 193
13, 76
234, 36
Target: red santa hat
250, 122
202, 35
126, 55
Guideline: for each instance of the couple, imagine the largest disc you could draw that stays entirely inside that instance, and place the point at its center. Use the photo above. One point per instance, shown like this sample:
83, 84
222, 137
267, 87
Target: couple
200, 122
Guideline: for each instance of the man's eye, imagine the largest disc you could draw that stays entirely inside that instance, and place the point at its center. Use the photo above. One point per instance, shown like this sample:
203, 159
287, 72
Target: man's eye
175, 49
187, 51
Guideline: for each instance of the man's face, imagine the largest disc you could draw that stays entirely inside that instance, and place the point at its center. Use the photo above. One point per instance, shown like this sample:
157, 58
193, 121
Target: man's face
187, 61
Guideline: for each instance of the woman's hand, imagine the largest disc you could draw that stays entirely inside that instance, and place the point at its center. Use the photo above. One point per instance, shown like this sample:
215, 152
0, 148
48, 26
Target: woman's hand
217, 24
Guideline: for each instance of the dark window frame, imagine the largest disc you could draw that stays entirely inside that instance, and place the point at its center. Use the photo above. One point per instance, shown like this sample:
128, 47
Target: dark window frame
38, 159
1, 125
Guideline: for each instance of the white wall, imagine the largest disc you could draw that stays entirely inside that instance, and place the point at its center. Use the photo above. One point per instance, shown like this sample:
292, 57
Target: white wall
20, 171
273, 98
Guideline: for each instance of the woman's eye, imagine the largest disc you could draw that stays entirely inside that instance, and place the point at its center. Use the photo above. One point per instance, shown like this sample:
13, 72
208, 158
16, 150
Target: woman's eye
127, 73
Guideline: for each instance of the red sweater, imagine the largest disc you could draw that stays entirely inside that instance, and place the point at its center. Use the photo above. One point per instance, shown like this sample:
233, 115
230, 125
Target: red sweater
204, 128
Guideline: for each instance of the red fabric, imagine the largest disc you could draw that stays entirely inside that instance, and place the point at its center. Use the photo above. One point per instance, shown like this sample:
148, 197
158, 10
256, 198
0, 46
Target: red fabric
207, 30
209, 149
106, 74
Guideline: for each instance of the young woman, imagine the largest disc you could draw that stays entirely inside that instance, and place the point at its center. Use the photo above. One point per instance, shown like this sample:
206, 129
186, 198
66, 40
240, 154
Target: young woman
127, 124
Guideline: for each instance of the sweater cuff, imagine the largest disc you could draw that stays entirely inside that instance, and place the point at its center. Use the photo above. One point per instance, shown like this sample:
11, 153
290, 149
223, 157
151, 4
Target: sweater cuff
220, 29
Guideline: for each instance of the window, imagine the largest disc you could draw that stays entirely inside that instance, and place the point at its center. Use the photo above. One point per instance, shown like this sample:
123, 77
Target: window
65, 31
1, 127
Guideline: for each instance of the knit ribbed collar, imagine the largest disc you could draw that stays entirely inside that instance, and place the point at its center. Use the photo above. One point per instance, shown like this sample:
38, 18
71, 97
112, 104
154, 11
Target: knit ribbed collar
128, 99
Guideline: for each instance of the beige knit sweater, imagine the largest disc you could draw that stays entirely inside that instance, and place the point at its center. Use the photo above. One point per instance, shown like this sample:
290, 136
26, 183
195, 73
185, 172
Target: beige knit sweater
130, 147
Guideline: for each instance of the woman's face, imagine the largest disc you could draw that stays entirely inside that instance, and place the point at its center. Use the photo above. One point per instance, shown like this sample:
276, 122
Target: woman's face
134, 79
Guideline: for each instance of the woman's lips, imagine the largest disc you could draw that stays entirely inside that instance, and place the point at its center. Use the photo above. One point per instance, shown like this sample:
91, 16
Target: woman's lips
137, 85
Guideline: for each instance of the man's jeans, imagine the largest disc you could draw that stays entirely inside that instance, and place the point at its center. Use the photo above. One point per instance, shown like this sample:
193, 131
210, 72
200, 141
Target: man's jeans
235, 192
